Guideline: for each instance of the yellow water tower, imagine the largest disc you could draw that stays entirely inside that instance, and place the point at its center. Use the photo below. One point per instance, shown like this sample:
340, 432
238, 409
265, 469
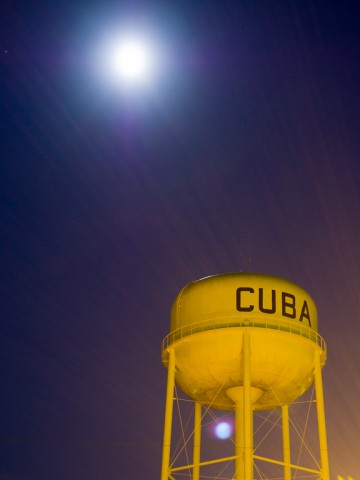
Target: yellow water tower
244, 343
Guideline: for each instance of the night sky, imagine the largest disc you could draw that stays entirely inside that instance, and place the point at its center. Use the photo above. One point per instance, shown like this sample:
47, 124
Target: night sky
242, 155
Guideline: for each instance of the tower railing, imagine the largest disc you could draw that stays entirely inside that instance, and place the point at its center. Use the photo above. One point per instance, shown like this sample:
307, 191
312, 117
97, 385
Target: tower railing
288, 326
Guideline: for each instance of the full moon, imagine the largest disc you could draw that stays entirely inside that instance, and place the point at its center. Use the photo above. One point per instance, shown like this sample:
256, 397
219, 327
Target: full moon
130, 60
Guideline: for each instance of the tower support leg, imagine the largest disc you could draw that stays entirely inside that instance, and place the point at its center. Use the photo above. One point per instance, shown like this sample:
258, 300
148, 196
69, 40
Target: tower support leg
321, 418
238, 397
168, 416
286, 441
197, 441
248, 410
243, 397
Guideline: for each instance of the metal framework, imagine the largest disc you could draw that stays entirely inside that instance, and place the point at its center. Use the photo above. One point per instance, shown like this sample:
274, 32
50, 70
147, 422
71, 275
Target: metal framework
243, 397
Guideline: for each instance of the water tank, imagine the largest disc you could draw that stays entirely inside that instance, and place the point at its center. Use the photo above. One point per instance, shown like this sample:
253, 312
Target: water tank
208, 320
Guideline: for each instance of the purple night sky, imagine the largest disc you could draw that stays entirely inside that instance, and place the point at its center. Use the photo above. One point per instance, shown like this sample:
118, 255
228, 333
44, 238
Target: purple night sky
244, 155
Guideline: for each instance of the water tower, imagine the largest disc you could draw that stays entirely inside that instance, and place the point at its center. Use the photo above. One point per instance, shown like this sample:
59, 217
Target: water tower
243, 343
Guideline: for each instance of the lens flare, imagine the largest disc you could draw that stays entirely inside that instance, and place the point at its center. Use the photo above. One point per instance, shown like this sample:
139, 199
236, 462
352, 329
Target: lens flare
223, 430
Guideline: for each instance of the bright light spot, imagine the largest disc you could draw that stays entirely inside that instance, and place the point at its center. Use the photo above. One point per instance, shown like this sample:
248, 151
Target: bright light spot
223, 430
130, 60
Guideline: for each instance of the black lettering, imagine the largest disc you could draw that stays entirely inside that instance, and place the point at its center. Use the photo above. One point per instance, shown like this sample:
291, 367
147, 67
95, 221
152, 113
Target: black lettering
261, 302
288, 303
239, 307
305, 313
